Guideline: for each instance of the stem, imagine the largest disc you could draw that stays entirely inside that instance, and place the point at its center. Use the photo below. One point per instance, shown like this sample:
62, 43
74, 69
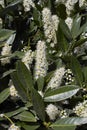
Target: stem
9, 119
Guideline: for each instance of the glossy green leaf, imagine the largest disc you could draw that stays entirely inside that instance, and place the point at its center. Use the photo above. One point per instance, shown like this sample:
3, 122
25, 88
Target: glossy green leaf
7, 73
60, 94
5, 34
61, 40
70, 121
76, 69
77, 43
11, 39
25, 116
85, 73
30, 127
15, 112
4, 95
24, 75
18, 85
38, 104
65, 30
76, 26
40, 83
64, 128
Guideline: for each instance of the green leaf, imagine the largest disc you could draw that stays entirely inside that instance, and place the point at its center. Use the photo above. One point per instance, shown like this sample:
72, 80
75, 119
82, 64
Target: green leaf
7, 73
25, 116
76, 69
4, 95
40, 83
5, 34
11, 39
24, 75
30, 127
76, 43
65, 30
60, 94
38, 104
76, 29
64, 128
61, 40
85, 73
70, 121
76, 26
18, 85
15, 112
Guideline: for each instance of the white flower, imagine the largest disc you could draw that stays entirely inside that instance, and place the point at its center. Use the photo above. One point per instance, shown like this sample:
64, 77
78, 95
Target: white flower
82, 2
41, 65
13, 127
28, 4
49, 25
2, 3
13, 91
28, 58
63, 114
70, 6
55, 21
55, 81
52, 111
2, 115
6, 51
69, 22
81, 109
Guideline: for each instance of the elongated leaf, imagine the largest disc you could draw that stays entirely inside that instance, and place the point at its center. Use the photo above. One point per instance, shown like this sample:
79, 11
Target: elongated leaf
77, 43
76, 26
20, 88
24, 75
4, 95
11, 39
64, 128
62, 42
40, 83
7, 73
30, 127
25, 116
85, 73
14, 3
5, 33
60, 94
38, 104
65, 30
71, 121
76, 69
13, 113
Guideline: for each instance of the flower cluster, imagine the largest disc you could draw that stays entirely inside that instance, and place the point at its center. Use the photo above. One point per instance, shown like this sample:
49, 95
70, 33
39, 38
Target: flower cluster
6, 51
41, 64
63, 114
13, 91
81, 109
28, 4
13, 127
68, 77
2, 3
28, 58
50, 26
52, 111
56, 80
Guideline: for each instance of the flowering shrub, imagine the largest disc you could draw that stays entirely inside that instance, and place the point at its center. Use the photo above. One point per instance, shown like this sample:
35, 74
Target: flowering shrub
43, 64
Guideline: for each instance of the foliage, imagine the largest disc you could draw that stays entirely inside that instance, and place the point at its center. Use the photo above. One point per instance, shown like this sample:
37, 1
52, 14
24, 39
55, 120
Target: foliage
24, 98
